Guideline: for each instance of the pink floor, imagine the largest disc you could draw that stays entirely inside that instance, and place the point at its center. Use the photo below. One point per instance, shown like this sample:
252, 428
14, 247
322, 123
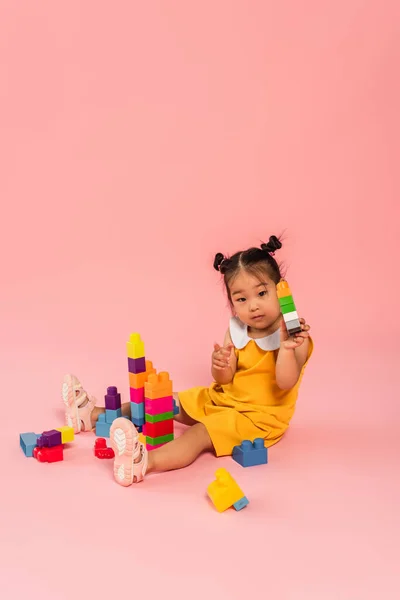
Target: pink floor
323, 518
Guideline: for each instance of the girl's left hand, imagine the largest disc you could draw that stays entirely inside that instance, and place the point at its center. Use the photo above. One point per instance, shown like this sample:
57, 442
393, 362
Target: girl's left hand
289, 343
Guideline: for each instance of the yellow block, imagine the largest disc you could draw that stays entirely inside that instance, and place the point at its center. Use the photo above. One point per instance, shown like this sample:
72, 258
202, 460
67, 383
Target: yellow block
142, 438
224, 491
67, 434
283, 289
135, 346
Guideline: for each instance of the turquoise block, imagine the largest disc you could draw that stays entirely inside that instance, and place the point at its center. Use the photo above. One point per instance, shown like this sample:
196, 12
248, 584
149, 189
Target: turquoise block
241, 503
137, 411
111, 415
103, 429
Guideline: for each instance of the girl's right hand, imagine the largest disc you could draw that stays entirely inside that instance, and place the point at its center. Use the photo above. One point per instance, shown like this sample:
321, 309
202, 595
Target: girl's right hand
220, 356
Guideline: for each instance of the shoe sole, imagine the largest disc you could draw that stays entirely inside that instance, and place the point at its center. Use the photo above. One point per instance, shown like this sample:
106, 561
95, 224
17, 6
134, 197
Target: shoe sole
71, 409
123, 438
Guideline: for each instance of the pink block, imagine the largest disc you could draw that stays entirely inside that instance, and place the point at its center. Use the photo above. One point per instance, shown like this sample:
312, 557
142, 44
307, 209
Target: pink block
149, 447
161, 405
137, 396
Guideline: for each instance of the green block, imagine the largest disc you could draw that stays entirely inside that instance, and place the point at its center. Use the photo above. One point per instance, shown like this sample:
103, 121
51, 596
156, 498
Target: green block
157, 418
163, 439
286, 300
288, 308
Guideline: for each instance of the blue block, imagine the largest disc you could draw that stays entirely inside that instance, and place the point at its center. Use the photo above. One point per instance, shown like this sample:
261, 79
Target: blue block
176, 408
250, 454
28, 441
241, 503
101, 418
103, 429
137, 422
137, 410
111, 415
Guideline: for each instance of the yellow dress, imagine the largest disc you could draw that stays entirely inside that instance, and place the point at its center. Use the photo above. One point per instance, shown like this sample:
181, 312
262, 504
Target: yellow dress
252, 405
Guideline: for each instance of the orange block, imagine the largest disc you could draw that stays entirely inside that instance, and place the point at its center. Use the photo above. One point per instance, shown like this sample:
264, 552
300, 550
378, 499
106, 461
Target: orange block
158, 386
283, 289
138, 380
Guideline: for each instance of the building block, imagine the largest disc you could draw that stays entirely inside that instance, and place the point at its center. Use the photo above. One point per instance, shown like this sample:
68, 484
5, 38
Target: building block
157, 430
101, 450
49, 439
102, 428
50, 455
224, 492
250, 454
137, 365
137, 422
137, 395
135, 346
159, 441
111, 415
138, 380
137, 410
112, 399
157, 418
142, 438
159, 406
158, 386
28, 442
176, 408
240, 503
67, 434
149, 447
288, 307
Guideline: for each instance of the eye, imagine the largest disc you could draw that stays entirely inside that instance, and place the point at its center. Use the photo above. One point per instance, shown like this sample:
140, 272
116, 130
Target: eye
241, 300
262, 293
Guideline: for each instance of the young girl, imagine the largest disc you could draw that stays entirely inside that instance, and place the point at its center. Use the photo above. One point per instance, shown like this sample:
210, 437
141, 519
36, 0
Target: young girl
257, 374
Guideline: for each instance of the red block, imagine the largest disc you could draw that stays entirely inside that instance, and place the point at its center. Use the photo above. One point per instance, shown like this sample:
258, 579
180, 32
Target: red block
155, 430
53, 454
101, 450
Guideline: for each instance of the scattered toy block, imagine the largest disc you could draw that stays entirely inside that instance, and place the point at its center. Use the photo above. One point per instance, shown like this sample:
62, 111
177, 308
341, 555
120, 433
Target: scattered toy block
135, 346
101, 450
28, 442
137, 365
49, 439
112, 399
224, 492
49, 454
67, 434
111, 415
250, 454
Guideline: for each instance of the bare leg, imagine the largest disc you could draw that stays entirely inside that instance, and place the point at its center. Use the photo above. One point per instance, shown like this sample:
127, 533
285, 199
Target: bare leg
182, 451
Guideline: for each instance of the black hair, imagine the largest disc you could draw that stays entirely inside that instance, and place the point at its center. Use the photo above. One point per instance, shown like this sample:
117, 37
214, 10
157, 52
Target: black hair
256, 261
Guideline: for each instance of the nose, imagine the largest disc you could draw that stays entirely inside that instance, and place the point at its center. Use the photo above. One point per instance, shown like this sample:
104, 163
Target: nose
253, 305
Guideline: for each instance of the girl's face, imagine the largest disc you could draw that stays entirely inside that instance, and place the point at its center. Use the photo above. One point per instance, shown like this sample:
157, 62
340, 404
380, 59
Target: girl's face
255, 301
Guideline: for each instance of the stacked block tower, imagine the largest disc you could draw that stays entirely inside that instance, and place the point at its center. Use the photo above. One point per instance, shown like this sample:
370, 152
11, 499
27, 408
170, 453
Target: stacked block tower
140, 370
159, 410
288, 308
113, 411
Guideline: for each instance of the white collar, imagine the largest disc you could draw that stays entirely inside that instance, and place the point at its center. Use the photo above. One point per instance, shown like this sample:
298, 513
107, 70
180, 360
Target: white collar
240, 337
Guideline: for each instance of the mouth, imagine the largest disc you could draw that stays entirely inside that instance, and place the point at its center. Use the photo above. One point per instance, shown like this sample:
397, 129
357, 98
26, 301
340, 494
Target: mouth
257, 318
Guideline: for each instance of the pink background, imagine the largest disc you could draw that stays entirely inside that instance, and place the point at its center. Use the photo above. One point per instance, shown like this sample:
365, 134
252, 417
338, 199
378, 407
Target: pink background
138, 139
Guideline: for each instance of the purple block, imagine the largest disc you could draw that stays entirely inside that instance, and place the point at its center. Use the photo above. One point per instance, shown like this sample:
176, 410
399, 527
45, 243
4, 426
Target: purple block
49, 439
158, 406
112, 398
137, 365
137, 396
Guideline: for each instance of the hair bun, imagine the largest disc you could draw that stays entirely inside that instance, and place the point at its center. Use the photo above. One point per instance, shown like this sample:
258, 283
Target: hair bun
218, 260
272, 245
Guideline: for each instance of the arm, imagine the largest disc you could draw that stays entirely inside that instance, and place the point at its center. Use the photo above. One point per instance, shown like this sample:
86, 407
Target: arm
289, 364
223, 372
